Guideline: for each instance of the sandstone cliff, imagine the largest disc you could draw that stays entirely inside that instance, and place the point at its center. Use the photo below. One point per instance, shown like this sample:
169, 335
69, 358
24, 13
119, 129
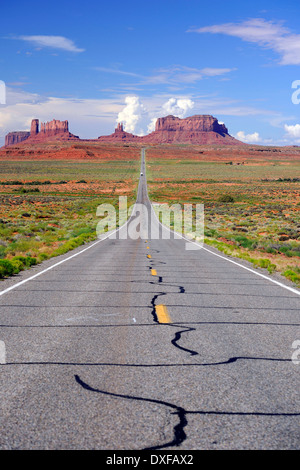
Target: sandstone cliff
54, 130
54, 127
15, 137
198, 129
34, 127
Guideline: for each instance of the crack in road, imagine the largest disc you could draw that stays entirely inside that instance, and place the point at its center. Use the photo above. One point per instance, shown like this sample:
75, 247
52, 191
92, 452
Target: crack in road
179, 435
178, 431
178, 334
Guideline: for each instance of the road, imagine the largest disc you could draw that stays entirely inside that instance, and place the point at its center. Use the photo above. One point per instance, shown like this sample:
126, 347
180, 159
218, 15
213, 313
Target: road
142, 344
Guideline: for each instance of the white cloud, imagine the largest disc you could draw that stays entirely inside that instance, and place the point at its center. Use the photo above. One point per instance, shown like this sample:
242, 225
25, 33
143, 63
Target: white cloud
184, 75
55, 42
178, 107
174, 75
248, 138
151, 126
268, 34
293, 131
132, 115
116, 71
137, 117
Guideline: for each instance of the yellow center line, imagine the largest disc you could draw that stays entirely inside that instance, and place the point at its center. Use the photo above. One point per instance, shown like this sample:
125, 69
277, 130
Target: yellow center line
162, 314
153, 272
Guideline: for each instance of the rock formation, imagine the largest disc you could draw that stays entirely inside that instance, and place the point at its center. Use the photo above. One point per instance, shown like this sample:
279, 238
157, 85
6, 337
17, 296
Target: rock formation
198, 129
119, 136
15, 137
54, 130
54, 127
34, 127
197, 123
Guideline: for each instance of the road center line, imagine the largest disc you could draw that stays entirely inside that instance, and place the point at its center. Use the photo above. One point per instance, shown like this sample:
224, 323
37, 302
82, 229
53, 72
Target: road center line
162, 314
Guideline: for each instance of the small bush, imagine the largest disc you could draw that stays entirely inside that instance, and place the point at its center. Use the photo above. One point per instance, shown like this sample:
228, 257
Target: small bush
243, 241
6, 268
226, 198
262, 262
15, 265
43, 256
293, 274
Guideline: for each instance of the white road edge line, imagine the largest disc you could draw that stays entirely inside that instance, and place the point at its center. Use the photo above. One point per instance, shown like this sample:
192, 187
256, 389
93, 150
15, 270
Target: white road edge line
295, 291
291, 289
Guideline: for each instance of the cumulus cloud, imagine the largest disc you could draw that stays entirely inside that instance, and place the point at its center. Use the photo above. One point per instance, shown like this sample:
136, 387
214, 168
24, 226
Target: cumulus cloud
293, 131
248, 138
133, 115
151, 125
136, 117
178, 107
55, 42
268, 34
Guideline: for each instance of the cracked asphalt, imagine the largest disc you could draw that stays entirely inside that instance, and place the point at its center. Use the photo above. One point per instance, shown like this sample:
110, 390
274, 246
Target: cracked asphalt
92, 364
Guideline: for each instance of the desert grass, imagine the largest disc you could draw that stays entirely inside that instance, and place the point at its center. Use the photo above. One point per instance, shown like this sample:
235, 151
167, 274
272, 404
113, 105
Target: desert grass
48, 208
252, 209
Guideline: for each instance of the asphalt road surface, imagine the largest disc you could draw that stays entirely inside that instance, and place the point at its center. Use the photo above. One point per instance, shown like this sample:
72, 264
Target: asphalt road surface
142, 344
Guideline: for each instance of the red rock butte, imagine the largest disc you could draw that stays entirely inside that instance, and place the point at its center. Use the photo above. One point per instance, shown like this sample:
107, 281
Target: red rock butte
119, 136
54, 130
198, 129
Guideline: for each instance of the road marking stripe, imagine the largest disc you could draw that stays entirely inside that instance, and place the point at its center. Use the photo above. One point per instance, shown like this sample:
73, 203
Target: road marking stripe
153, 272
162, 314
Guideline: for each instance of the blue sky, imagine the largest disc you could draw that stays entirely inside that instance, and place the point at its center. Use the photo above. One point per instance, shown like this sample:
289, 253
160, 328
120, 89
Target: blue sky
97, 62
